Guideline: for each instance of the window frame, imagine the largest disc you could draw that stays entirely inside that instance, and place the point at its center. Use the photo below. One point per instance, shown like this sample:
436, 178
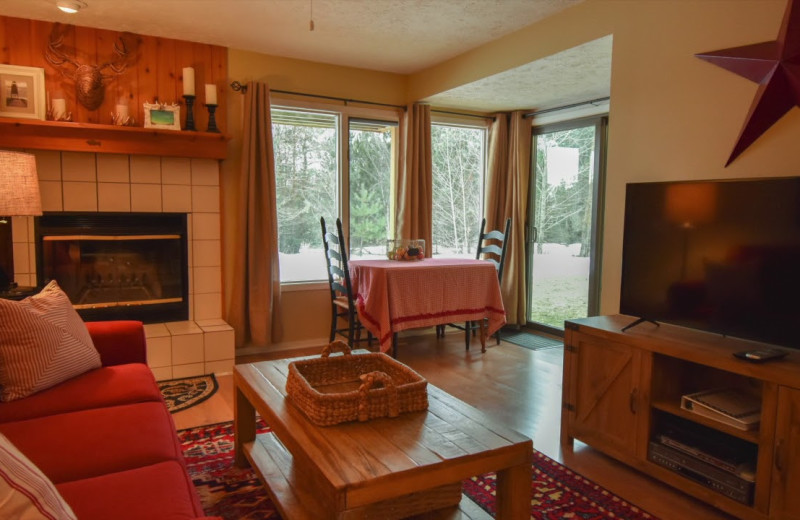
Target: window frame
345, 113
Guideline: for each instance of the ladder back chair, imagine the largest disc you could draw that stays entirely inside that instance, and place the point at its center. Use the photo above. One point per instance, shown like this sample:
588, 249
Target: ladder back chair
343, 305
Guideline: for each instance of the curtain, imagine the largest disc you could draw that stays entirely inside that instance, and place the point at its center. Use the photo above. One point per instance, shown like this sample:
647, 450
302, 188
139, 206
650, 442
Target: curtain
414, 189
506, 196
256, 291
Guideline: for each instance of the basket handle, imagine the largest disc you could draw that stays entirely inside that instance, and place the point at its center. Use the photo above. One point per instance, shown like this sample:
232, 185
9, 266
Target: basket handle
336, 346
368, 381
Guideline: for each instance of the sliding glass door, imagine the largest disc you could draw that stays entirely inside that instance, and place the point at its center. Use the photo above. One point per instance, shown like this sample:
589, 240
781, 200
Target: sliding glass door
565, 212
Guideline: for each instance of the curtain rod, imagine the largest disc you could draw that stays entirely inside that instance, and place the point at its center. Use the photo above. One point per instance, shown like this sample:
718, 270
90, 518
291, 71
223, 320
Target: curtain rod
573, 105
237, 86
493, 118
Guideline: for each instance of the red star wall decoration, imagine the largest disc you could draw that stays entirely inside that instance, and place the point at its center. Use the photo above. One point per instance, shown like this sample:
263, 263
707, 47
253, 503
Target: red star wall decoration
775, 66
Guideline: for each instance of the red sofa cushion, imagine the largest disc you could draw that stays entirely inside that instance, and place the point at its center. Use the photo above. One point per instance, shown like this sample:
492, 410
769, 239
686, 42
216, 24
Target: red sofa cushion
89, 443
107, 386
135, 494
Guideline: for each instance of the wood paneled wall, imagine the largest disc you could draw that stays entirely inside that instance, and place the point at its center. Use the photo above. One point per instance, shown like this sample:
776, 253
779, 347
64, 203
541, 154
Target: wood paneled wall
156, 74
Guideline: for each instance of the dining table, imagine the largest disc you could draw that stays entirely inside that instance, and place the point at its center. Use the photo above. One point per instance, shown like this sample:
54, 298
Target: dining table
394, 295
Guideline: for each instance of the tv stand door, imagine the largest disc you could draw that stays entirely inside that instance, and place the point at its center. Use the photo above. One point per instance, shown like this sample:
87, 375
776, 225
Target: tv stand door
785, 499
602, 401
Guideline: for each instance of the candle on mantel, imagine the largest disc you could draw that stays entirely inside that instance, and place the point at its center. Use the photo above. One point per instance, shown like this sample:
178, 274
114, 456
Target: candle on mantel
59, 108
188, 81
211, 94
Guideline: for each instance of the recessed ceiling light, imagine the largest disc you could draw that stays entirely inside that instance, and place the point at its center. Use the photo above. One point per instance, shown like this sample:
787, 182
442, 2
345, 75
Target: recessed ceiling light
71, 6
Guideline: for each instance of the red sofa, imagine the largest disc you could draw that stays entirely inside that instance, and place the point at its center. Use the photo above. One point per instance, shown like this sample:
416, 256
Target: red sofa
105, 438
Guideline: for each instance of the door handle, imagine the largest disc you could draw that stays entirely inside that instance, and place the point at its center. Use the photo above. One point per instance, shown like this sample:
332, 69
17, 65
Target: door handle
633, 403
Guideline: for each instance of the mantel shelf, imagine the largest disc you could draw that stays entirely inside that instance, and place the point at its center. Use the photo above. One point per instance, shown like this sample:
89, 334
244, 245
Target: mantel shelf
85, 137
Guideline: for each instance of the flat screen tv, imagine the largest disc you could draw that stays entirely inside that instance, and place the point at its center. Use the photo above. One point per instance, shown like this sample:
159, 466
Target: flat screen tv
719, 256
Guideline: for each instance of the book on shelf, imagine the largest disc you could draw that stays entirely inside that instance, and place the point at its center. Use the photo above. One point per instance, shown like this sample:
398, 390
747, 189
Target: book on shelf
730, 406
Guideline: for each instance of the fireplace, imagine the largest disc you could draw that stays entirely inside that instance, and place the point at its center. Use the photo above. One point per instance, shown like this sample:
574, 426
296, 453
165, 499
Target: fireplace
117, 265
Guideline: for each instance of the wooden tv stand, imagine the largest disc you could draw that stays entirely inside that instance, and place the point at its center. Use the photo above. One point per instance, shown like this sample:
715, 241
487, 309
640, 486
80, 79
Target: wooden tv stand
622, 388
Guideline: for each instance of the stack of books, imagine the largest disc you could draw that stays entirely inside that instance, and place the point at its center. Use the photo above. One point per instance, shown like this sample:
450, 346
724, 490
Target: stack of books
719, 462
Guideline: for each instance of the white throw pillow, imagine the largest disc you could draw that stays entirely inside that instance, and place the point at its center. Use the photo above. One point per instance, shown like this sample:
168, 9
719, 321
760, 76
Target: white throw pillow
25, 492
43, 342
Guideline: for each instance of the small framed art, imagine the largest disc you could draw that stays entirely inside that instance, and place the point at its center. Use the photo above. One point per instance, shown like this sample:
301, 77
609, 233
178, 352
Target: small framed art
162, 116
22, 92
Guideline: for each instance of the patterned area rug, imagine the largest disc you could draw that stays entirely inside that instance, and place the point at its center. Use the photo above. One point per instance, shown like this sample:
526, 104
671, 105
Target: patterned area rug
186, 392
233, 493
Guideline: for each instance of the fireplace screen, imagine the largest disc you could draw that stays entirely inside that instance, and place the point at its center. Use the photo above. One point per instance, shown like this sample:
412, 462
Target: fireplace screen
112, 272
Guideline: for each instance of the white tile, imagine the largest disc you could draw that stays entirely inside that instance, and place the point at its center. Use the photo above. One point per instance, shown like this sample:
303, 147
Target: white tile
207, 253
22, 263
213, 324
159, 352
48, 165
155, 330
176, 170
219, 367
51, 195
191, 370
80, 196
187, 348
113, 168
145, 169
205, 226
183, 327
162, 373
205, 172
112, 196
219, 345
78, 166
205, 199
19, 229
207, 306
207, 280
146, 197
176, 198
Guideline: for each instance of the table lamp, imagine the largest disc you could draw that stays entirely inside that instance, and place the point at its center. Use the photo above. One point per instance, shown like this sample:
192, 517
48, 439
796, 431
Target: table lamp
19, 194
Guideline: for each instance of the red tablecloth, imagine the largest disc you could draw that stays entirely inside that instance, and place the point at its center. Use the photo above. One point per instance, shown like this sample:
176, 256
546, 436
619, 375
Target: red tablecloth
394, 295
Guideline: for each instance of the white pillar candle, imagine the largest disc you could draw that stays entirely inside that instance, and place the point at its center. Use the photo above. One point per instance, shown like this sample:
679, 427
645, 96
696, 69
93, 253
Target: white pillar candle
122, 114
211, 94
188, 81
59, 108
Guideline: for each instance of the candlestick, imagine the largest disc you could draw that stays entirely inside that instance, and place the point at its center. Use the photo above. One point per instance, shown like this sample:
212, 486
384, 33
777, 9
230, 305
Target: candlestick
188, 81
212, 122
189, 112
211, 94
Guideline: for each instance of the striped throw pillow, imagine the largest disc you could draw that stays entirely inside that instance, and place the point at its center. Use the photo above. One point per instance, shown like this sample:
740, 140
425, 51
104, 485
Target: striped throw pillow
43, 342
25, 492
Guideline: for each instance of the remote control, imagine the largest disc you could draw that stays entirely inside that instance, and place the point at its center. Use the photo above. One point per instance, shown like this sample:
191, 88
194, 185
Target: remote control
762, 354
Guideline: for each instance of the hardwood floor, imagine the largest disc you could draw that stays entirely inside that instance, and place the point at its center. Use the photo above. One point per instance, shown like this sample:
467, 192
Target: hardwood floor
513, 385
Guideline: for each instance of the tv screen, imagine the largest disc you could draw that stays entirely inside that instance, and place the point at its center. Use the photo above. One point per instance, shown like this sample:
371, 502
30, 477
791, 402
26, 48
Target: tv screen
720, 256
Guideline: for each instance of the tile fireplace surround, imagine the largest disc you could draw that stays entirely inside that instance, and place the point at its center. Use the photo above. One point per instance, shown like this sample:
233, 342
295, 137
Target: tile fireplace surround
78, 181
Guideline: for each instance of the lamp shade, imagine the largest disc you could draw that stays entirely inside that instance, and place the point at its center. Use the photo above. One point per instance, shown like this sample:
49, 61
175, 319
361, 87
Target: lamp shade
19, 185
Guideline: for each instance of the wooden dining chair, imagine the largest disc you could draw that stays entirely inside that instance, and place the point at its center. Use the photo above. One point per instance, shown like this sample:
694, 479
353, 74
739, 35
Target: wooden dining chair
492, 247
343, 304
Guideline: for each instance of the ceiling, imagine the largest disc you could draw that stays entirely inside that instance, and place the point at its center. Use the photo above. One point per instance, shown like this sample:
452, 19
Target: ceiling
365, 34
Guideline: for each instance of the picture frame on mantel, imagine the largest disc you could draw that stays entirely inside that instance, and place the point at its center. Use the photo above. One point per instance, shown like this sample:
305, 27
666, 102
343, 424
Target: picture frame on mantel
22, 92
167, 117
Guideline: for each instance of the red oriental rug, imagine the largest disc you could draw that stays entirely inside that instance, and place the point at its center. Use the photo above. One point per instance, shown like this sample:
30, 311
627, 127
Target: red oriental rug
237, 494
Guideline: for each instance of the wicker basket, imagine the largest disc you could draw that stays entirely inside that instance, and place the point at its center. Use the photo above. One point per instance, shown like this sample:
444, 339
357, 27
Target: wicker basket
332, 390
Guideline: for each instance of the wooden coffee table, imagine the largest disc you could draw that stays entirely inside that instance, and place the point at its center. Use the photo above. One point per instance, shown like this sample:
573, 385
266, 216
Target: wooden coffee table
383, 468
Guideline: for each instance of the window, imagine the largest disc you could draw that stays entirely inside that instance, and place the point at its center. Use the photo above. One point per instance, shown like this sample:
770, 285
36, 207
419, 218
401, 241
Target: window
458, 170
312, 180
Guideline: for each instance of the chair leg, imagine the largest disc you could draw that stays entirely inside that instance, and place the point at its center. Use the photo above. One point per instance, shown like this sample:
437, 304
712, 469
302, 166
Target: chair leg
334, 319
394, 345
467, 327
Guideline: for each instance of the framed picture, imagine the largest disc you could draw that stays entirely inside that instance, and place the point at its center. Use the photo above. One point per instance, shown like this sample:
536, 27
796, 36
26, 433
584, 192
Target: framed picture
22, 92
162, 116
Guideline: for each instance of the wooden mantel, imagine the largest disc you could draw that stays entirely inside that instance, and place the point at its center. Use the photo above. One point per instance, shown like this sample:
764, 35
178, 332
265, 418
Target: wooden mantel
87, 137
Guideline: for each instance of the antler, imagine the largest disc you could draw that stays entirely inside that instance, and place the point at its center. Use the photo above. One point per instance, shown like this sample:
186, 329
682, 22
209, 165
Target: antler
53, 53
124, 49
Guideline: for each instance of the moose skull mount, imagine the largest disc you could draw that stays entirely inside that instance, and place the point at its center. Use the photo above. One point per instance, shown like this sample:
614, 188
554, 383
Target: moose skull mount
89, 79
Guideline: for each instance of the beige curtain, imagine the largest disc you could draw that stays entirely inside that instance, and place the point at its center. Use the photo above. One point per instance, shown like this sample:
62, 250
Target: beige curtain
414, 189
256, 290
507, 197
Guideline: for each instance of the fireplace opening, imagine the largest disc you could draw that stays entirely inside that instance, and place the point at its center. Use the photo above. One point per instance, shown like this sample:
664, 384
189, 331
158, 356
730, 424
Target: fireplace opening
117, 266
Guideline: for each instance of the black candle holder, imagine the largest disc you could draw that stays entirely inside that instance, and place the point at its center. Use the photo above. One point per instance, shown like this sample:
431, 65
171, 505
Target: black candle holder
189, 112
212, 123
